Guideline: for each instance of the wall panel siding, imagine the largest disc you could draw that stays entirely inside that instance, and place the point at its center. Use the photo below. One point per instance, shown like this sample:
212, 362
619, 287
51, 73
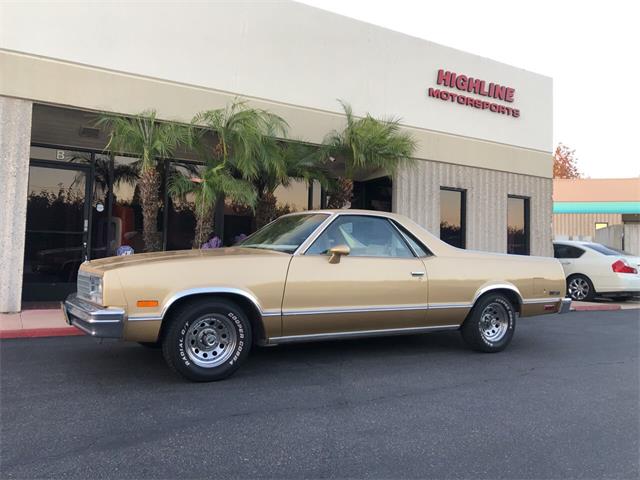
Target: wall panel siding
417, 195
581, 224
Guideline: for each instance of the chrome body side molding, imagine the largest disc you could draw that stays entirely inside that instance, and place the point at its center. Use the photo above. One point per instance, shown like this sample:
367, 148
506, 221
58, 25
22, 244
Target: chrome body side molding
358, 334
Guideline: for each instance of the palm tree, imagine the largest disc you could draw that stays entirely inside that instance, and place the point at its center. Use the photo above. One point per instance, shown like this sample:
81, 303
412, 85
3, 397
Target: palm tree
213, 184
244, 146
144, 136
367, 143
294, 161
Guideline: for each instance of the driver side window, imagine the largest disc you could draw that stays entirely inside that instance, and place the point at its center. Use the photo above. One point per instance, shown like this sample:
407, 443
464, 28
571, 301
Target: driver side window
365, 236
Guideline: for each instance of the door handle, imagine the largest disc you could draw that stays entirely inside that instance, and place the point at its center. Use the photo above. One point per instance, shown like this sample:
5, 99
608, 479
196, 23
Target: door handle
417, 274
565, 263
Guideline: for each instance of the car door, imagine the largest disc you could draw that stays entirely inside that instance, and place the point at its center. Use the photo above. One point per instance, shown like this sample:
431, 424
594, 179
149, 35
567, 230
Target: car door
381, 284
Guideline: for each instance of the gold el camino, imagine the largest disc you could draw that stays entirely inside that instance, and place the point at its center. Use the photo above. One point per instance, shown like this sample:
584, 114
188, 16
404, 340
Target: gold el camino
317, 275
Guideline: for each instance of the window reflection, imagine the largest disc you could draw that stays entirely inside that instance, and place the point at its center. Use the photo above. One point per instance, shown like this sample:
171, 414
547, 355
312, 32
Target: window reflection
181, 220
452, 216
518, 225
126, 210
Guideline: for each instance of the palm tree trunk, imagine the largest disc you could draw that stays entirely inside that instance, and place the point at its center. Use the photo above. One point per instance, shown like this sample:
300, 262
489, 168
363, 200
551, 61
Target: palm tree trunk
265, 209
149, 198
341, 193
204, 225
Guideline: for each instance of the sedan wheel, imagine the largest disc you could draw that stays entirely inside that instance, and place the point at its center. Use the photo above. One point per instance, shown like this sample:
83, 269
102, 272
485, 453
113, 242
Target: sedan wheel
580, 288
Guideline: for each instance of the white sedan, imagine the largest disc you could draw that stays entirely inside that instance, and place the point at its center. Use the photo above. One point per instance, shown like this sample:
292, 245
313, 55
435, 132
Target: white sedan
594, 269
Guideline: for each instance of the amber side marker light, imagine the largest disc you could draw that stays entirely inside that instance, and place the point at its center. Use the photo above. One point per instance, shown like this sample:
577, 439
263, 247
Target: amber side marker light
147, 303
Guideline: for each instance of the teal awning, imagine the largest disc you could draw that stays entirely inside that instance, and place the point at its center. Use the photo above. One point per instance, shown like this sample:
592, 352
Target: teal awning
596, 207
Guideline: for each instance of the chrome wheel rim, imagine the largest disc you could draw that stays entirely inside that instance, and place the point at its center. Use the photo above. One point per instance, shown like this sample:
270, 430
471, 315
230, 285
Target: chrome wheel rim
578, 288
211, 340
494, 322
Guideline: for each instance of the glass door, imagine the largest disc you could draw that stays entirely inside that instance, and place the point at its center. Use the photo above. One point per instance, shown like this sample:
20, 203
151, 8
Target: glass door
57, 230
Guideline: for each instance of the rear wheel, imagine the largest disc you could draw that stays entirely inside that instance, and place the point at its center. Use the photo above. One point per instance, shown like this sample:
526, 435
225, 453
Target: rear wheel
490, 325
207, 340
580, 288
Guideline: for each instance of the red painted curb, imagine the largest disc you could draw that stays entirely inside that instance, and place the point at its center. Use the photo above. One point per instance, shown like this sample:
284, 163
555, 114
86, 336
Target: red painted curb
40, 332
595, 308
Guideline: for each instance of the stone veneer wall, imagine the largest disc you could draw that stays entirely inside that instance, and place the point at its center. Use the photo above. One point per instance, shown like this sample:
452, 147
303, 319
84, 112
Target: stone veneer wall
416, 195
15, 141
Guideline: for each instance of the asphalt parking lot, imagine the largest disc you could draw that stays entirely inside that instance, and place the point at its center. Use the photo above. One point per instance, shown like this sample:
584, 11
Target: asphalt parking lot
561, 402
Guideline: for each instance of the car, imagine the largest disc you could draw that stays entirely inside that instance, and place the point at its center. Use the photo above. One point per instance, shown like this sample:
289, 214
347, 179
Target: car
315, 275
593, 269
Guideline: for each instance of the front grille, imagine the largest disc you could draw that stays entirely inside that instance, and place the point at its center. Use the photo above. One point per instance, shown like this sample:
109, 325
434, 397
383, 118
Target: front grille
84, 286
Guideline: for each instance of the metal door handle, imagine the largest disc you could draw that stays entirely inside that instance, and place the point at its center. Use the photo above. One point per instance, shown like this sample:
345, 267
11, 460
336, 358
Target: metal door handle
417, 274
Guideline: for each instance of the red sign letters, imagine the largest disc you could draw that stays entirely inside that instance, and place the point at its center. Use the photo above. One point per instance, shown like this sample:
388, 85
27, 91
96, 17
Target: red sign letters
466, 84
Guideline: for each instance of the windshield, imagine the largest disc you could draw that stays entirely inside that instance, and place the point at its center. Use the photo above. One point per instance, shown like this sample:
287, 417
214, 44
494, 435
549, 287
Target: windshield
602, 249
285, 234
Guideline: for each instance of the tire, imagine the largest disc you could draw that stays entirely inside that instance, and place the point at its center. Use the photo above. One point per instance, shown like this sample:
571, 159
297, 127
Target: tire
207, 340
490, 325
153, 345
580, 288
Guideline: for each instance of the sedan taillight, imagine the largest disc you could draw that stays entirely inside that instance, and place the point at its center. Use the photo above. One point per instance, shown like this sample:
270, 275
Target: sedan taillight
620, 266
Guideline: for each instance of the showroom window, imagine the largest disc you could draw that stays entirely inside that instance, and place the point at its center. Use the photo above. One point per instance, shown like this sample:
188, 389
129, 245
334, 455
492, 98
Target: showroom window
517, 225
453, 206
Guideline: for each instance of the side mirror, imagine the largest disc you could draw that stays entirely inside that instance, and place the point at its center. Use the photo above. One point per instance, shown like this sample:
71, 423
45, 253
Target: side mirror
337, 252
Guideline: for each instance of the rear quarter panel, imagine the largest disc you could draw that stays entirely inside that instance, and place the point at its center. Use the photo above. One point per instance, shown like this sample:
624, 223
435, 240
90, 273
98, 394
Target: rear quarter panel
459, 277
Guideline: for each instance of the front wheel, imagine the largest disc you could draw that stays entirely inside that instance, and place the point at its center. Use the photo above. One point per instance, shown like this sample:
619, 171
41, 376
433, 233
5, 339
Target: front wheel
207, 340
490, 324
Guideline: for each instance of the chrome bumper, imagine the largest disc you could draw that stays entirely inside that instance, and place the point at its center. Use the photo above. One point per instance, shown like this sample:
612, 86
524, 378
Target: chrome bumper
94, 320
565, 305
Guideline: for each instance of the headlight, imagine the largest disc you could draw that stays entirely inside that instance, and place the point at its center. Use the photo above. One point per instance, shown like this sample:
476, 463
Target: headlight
90, 287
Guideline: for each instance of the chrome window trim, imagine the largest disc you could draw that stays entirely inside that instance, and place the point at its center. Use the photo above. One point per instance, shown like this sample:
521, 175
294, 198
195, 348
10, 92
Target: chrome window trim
302, 250
358, 334
304, 246
428, 252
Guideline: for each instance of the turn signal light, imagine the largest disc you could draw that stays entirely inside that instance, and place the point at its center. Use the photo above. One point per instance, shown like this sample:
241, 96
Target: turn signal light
147, 303
620, 266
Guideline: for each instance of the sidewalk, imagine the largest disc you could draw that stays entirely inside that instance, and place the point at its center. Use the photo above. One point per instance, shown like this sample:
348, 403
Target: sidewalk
35, 323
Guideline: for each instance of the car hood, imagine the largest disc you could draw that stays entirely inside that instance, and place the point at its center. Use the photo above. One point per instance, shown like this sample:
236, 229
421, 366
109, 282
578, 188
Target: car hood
111, 263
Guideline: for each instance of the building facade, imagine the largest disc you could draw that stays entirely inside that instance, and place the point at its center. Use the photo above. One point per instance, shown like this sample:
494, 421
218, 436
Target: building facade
482, 177
583, 206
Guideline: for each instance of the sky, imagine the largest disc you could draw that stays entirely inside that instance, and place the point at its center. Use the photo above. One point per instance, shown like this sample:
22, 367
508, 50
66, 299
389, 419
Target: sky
589, 48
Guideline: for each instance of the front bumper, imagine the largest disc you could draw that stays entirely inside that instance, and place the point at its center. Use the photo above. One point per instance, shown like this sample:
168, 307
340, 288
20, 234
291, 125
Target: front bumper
94, 320
565, 305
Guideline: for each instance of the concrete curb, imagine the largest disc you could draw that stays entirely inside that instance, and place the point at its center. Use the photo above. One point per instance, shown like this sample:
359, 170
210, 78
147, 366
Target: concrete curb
40, 332
595, 308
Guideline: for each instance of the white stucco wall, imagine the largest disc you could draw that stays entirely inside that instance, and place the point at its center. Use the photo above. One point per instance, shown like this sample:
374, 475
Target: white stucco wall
280, 51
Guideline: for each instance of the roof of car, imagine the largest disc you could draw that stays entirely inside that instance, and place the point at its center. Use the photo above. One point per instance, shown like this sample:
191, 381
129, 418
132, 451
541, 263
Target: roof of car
573, 242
